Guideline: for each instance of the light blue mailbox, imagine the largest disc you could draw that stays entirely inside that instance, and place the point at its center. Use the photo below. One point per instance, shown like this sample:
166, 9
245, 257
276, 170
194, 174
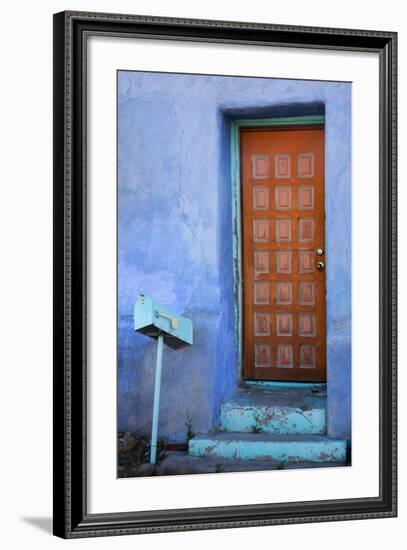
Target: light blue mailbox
154, 320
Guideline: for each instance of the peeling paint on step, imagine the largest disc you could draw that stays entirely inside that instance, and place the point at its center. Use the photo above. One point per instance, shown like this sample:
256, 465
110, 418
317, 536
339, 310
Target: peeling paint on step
275, 419
282, 448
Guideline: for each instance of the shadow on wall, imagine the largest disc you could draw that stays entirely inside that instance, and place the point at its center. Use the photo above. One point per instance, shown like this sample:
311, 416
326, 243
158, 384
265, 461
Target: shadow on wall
313, 108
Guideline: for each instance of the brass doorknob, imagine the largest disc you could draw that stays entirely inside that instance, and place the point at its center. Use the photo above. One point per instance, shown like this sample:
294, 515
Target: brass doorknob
320, 266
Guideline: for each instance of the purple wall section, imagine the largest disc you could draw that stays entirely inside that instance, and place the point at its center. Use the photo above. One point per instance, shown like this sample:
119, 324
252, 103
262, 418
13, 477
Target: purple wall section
175, 237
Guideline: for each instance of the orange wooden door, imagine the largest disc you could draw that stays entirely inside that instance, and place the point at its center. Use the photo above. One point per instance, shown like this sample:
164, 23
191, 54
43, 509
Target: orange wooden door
283, 230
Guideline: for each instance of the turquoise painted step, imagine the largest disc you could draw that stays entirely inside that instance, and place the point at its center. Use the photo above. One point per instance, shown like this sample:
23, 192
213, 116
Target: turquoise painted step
279, 448
293, 411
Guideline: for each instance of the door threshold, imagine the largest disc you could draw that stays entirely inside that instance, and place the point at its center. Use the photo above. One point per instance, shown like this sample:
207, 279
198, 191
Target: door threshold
275, 385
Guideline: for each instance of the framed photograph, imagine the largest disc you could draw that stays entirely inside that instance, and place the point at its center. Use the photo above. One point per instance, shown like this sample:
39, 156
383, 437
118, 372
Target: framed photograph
224, 274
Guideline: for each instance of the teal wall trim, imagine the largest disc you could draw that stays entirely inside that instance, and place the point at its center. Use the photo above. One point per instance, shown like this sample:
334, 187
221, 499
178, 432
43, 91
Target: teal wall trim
236, 125
282, 121
237, 239
275, 385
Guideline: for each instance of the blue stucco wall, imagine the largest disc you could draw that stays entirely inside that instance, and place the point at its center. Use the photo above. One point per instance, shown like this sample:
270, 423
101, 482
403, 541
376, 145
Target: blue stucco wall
175, 237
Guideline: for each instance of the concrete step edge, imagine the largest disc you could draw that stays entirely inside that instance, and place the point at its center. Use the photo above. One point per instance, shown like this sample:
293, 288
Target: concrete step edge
273, 419
281, 448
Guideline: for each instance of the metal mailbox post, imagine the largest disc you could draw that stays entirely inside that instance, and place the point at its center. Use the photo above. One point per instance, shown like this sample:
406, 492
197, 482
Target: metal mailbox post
152, 319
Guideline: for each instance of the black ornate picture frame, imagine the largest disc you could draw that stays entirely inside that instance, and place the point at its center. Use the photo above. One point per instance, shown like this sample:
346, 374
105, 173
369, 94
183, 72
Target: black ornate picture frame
71, 517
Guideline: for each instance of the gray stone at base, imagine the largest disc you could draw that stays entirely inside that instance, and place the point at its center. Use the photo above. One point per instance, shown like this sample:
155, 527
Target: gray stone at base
146, 470
178, 463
